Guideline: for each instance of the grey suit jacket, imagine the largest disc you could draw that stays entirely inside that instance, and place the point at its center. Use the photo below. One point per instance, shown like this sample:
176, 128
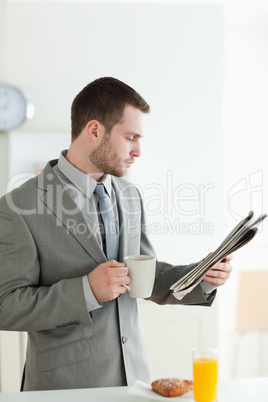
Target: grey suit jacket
42, 261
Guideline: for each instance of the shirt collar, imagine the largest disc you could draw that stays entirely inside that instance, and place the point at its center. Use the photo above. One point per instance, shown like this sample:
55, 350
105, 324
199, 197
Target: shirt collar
81, 180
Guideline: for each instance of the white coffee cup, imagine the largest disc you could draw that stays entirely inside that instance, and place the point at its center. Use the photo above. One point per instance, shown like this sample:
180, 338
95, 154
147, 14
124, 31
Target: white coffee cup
141, 269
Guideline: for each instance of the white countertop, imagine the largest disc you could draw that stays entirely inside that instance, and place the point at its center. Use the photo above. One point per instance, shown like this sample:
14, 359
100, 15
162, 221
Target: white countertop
248, 390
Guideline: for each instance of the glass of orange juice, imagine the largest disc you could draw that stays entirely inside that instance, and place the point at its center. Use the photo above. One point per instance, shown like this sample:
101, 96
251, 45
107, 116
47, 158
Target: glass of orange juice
205, 374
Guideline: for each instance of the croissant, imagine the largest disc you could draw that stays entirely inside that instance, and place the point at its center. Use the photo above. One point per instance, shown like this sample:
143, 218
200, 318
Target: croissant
172, 386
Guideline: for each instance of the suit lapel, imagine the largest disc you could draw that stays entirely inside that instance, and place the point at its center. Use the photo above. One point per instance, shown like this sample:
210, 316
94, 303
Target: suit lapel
57, 200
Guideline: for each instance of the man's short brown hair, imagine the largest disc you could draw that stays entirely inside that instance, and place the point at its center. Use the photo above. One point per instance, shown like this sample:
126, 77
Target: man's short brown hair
104, 100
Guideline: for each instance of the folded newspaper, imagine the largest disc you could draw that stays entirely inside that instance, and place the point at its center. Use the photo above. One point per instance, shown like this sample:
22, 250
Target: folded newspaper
238, 237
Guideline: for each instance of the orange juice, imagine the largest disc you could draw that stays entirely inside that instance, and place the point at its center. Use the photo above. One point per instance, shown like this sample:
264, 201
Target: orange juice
205, 379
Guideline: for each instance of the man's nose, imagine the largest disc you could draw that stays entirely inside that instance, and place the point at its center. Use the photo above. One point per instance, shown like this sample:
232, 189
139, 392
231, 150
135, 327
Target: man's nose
136, 151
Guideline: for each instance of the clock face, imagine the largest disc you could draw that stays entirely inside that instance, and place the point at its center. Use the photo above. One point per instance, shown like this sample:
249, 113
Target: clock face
13, 107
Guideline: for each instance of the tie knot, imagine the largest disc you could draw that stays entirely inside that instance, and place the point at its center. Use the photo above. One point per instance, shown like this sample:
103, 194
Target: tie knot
99, 190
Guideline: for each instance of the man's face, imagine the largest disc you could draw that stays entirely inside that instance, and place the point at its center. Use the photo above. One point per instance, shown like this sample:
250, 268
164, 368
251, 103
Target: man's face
118, 150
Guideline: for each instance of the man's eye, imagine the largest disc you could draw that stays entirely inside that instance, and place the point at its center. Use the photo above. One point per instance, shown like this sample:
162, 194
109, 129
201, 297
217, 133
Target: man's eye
130, 139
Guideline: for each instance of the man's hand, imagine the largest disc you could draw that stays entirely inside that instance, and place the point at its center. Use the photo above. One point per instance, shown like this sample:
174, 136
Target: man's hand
220, 272
107, 280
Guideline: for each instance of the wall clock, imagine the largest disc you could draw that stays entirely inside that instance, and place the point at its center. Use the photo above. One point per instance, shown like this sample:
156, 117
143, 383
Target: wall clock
15, 108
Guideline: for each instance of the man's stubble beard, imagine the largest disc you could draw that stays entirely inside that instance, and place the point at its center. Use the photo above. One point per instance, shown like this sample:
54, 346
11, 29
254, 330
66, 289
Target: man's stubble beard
106, 159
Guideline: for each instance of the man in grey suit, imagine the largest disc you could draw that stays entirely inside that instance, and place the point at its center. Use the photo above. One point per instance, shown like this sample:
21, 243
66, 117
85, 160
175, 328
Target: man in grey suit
56, 280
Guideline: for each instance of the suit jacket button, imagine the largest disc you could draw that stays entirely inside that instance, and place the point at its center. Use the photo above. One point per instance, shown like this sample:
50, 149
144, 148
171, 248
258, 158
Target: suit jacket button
124, 339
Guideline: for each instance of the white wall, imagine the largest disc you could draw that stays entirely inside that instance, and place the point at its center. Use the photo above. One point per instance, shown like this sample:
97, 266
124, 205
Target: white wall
245, 125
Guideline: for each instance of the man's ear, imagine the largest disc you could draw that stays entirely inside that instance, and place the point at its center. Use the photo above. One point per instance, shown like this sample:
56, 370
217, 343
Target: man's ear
94, 130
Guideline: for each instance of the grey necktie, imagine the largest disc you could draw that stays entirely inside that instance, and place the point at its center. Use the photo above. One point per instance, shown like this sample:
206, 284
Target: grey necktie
111, 236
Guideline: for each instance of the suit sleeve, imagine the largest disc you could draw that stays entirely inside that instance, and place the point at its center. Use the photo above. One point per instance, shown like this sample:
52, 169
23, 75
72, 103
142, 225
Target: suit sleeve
24, 304
167, 274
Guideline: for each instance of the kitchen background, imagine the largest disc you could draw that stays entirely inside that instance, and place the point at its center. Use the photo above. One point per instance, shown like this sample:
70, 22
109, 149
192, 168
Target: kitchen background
202, 66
